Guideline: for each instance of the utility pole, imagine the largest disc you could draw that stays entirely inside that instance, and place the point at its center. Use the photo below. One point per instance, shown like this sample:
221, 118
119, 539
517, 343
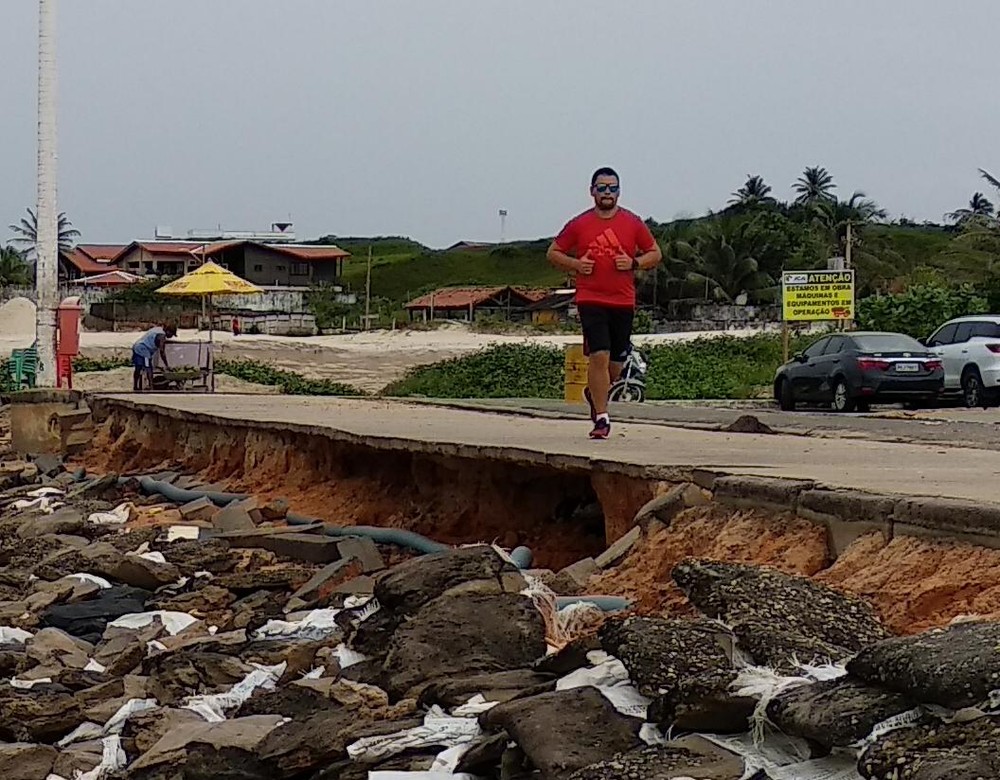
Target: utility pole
368, 291
503, 224
847, 251
47, 232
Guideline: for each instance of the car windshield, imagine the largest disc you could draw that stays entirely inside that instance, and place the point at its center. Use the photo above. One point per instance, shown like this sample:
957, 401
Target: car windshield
888, 342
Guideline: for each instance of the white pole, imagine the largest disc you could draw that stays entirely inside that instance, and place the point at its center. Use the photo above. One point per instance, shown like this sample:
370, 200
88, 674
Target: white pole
47, 240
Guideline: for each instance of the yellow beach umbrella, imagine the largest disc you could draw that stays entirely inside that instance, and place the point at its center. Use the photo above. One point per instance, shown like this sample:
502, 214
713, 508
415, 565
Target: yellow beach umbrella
208, 280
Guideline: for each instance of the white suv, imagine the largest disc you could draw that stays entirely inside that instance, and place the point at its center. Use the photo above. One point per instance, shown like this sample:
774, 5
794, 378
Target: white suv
969, 347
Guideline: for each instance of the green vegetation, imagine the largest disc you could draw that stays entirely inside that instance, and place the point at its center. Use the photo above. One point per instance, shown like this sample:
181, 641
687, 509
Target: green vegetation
920, 309
14, 271
26, 232
723, 367
248, 370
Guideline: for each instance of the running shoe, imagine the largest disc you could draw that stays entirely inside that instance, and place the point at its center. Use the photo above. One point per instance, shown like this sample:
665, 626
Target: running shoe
602, 429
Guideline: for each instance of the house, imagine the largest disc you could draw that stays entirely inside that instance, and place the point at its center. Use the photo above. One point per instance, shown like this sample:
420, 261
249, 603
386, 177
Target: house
267, 265
470, 303
85, 260
555, 308
113, 278
471, 246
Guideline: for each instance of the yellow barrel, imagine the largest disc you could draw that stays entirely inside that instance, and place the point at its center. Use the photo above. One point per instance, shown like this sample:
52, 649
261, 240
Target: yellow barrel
574, 374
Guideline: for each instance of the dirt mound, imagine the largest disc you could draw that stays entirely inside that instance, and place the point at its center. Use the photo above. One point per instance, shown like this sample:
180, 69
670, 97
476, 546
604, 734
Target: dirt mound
787, 543
17, 317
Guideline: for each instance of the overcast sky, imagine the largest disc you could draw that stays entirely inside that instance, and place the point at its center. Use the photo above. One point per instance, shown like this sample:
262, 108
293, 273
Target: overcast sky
425, 118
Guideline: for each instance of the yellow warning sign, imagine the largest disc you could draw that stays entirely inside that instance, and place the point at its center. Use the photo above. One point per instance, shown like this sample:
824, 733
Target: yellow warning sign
810, 296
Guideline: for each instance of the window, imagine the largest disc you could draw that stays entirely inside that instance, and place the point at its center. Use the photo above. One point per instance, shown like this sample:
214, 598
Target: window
258, 269
986, 330
836, 344
963, 332
944, 336
817, 349
300, 269
280, 268
888, 342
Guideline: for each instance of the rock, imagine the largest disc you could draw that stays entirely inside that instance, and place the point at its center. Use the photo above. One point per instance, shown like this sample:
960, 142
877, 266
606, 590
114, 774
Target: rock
312, 548
323, 583
572, 581
834, 713
495, 686
484, 756
98, 708
200, 510
954, 667
87, 620
935, 751
416, 582
275, 511
21, 761
565, 731
144, 729
103, 488
283, 578
692, 757
209, 600
173, 677
619, 549
664, 508
309, 744
66, 520
208, 750
781, 650
142, 572
659, 653
253, 611
735, 593
703, 702
190, 556
233, 518
293, 701
364, 550
46, 713
461, 634
78, 758
52, 646
48, 464
124, 653
68, 590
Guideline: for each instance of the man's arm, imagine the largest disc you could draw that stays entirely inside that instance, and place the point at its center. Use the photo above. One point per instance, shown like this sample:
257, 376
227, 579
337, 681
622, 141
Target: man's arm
162, 343
565, 262
649, 259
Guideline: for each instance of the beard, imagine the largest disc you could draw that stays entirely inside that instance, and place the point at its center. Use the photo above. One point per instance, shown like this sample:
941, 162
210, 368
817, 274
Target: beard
605, 203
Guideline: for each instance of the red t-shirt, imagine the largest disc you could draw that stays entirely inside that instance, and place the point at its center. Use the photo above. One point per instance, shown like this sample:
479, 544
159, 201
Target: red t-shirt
604, 239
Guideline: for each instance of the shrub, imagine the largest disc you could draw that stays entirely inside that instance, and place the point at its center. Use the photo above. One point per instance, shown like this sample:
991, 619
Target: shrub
920, 309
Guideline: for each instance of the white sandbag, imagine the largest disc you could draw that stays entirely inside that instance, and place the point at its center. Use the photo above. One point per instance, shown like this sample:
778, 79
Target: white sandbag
13, 636
317, 624
117, 516
117, 721
95, 666
212, 707
173, 622
177, 532
27, 685
439, 729
91, 579
611, 678
112, 760
474, 707
82, 733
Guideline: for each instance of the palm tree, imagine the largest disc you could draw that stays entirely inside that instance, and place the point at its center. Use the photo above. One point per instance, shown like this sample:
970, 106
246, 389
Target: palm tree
26, 232
815, 185
14, 272
979, 206
991, 179
753, 192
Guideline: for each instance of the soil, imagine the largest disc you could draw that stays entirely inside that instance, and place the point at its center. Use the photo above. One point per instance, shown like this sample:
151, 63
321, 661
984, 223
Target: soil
119, 380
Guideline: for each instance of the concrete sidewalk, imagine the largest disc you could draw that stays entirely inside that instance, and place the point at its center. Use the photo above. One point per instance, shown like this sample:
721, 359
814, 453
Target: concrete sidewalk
880, 467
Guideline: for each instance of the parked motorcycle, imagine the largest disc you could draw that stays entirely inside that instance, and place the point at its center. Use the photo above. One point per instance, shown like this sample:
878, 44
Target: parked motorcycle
631, 385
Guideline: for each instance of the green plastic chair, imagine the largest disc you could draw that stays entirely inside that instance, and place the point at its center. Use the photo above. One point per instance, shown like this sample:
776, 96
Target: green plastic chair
24, 366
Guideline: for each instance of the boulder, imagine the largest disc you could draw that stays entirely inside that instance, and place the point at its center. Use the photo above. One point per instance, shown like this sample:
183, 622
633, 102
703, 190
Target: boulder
190, 556
495, 686
45, 713
208, 750
144, 729
936, 751
461, 634
142, 572
173, 677
66, 520
87, 620
78, 758
736, 593
781, 650
954, 667
703, 702
292, 701
693, 758
21, 761
308, 744
834, 713
565, 731
50, 646
412, 584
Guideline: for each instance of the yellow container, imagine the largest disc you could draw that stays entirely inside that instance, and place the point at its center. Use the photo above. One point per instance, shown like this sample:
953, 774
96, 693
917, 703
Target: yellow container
574, 374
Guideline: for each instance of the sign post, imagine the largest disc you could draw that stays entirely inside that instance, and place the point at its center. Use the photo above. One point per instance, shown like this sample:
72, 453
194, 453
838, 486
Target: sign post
816, 296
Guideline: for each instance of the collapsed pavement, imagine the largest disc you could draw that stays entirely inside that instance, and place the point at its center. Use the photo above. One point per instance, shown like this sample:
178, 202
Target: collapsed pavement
141, 639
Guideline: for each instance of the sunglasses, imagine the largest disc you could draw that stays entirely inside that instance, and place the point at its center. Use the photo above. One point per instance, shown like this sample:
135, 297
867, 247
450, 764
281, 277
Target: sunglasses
603, 188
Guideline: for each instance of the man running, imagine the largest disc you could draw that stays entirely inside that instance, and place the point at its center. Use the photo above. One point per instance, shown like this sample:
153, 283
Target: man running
604, 247
153, 340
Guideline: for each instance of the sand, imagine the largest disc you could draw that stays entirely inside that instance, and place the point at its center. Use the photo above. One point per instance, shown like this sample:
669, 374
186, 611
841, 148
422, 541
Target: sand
17, 322
119, 380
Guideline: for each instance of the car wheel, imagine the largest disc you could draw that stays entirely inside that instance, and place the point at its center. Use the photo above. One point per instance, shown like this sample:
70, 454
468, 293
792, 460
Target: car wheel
973, 393
786, 396
842, 401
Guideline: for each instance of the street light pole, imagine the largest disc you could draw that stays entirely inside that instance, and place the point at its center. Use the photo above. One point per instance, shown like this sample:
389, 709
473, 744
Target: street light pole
47, 231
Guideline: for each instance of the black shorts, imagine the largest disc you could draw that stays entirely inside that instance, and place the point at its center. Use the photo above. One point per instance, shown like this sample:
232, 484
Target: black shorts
606, 329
